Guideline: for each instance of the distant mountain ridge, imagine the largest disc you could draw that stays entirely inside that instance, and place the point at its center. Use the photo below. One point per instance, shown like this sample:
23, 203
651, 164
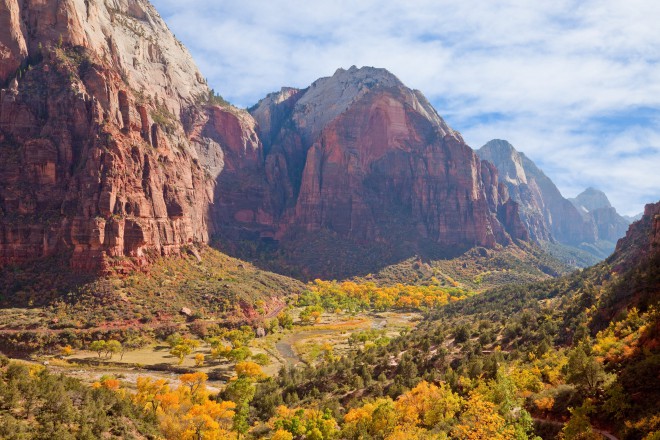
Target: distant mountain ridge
588, 222
591, 199
596, 208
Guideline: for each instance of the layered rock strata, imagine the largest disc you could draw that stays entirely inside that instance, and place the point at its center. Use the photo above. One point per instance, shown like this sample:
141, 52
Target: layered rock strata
361, 155
96, 163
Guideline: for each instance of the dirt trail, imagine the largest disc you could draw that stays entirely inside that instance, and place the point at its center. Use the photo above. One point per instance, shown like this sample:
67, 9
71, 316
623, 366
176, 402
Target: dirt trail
285, 350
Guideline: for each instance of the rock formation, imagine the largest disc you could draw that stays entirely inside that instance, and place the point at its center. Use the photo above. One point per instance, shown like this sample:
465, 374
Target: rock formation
588, 222
545, 212
95, 159
641, 241
113, 146
596, 209
361, 156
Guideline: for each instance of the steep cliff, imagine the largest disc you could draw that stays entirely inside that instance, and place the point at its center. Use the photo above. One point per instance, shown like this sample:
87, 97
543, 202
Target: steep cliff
546, 213
641, 241
364, 159
588, 223
95, 159
115, 147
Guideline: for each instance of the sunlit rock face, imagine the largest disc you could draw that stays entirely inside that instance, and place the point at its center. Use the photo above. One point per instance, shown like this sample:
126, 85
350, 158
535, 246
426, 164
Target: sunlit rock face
545, 212
96, 163
114, 151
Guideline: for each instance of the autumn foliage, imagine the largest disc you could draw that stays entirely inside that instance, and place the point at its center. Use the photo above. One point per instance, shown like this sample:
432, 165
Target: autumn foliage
187, 412
352, 296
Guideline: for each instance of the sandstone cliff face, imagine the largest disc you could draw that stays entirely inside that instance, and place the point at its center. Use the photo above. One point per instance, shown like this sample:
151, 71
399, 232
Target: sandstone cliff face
361, 156
588, 222
545, 212
95, 158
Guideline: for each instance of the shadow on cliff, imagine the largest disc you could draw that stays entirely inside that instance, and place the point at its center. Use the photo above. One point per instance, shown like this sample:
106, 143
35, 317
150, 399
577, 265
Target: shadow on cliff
40, 283
324, 254
306, 255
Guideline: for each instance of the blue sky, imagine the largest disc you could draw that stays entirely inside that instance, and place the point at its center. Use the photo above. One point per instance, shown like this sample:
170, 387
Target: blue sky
573, 84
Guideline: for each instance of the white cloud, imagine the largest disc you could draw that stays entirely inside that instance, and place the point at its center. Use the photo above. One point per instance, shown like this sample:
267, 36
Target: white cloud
561, 77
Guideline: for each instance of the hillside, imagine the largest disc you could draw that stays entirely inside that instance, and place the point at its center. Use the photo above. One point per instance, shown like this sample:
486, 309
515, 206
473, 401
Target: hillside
479, 269
43, 304
149, 229
556, 350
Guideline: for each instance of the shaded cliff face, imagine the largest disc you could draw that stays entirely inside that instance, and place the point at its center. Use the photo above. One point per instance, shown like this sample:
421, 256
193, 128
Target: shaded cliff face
588, 222
95, 158
365, 159
641, 241
547, 214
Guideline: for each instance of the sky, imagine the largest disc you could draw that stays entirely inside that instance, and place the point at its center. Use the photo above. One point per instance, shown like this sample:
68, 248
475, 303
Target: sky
575, 85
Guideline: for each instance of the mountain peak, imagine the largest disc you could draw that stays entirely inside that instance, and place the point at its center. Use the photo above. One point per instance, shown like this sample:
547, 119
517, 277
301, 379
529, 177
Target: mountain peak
329, 97
592, 199
500, 145
506, 158
366, 75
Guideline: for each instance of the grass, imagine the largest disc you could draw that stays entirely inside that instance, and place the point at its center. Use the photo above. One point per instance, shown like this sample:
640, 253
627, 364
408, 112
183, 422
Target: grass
336, 329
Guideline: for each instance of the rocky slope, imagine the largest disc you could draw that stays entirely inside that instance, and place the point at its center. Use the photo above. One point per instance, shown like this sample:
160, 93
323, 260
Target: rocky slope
588, 223
363, 158
641, 241
96, 161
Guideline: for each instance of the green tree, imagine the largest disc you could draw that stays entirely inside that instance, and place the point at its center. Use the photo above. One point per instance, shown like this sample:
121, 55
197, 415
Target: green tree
584, 370
241, 391
579, 427
181, 351
112, 347
98, 347
174, 339
285, 320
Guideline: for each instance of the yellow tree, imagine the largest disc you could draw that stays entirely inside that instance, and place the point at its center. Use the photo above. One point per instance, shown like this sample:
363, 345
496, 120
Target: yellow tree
250, 370
195, 385
481, 421
181, 351
281, 434
220, 351
428, 405
372, 420
149, 392
209, 420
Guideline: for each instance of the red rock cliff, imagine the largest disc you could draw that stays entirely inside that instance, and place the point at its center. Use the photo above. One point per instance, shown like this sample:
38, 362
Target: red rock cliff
95, 158
112, 149
361, 156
